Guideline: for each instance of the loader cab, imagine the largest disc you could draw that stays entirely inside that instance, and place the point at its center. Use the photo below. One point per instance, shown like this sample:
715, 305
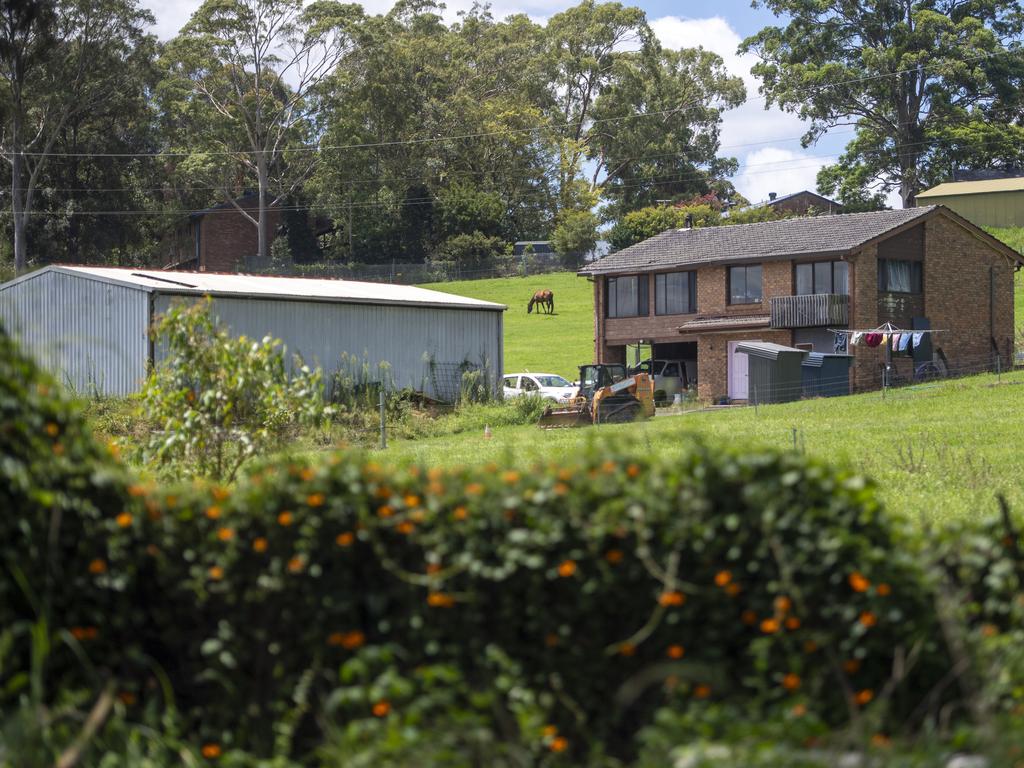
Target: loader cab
595, 377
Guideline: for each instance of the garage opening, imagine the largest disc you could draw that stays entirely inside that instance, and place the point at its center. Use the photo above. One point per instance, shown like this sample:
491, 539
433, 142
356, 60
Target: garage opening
684, 351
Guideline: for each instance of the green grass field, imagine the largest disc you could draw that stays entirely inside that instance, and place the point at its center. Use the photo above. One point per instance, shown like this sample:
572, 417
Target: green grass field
937, 451
557, 343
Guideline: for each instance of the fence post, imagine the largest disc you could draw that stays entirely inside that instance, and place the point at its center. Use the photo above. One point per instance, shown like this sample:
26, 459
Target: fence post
999, 369
383, 423
794, 440
755, 399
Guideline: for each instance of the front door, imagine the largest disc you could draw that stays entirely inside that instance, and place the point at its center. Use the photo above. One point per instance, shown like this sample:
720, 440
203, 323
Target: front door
737, 373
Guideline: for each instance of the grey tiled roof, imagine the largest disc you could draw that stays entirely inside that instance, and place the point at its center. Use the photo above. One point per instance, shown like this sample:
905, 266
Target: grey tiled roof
837, 234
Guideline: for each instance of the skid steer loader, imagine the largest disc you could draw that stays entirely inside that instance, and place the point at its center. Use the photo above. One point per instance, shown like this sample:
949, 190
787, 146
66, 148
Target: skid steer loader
606, 396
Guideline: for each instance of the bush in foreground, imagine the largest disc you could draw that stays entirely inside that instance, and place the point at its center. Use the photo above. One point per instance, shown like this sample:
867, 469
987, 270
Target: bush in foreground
534, 617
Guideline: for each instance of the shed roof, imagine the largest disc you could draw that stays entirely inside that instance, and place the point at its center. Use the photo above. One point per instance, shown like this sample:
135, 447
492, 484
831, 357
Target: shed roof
974, 187
771, 203
837, 234
767, 349
817, 359
264, 286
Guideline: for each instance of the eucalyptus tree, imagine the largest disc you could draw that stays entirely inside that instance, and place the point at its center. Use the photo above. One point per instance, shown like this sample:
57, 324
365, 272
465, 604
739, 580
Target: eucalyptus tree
60, 60
917, 78
239, 95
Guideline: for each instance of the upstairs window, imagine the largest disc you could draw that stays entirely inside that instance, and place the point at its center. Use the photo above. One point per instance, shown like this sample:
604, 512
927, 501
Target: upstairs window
822, 277
675, 293
745, 284
899, 276
627, 296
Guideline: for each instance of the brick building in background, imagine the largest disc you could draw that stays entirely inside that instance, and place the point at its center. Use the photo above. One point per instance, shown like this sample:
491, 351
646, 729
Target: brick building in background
694, 295
220, 238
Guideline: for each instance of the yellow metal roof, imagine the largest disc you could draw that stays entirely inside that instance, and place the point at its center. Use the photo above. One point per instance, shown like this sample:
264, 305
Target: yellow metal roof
975, 187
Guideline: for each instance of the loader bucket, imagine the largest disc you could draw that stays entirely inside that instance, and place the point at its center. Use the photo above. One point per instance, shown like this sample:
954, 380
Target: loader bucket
569, 416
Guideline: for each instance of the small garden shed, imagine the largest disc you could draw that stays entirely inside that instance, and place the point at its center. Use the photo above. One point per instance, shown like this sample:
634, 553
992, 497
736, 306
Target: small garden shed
774, 371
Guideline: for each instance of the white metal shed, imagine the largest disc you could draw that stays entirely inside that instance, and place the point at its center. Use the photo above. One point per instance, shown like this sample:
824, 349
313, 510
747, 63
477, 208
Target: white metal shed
89, 325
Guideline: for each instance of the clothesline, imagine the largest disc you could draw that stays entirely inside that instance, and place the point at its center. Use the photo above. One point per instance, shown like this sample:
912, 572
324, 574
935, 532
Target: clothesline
886, 328
887, 335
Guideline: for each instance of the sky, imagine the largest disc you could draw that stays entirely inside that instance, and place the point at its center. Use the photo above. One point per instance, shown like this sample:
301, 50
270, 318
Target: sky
766, 142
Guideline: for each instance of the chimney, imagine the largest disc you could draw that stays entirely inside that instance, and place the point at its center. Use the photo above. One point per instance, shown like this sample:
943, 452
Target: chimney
771, 196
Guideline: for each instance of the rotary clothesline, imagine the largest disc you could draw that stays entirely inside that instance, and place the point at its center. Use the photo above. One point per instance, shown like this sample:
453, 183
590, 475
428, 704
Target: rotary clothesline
892, 337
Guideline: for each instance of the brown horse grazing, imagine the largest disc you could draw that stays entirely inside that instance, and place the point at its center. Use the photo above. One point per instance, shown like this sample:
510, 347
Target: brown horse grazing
542, 299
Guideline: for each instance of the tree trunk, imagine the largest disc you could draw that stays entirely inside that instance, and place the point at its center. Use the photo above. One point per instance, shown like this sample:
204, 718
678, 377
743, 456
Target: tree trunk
19, 213
263, 255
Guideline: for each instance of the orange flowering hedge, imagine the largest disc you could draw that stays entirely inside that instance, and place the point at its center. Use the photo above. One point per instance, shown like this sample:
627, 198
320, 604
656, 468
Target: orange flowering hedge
760, 577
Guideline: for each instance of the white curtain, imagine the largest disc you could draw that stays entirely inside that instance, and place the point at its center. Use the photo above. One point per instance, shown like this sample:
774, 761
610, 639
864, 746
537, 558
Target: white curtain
898, 277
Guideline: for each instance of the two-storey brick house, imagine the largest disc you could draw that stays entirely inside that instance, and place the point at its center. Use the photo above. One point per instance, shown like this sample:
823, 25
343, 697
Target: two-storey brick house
694, 294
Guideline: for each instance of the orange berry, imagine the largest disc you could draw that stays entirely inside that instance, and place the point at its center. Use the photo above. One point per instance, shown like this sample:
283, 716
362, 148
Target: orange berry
791, 681
213, 512
52, 429
136, 490
857, 582
770, 626
219, 494
511, 477
748, 617
405, 528
633, 470
385, 511
864, 697
381, 708
851, 666
675, 652
732, 589
868, 619
307, 474
216, 573
440, 600
702, 691
124, 519
286, 518
225, 534
627, 649
884, 590
315, 500
880, 740
296, 564
614, 556
211, 751
460, 513
671, 599
345, 539
792, 623
559, 744
259, 545
97, 566
474, 489
799, 710
412, 500
783, 604
352, 640
722, 578
549, 731
566, 568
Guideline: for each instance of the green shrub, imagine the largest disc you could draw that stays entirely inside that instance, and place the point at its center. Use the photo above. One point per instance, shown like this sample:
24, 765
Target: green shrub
217, 400
547, 614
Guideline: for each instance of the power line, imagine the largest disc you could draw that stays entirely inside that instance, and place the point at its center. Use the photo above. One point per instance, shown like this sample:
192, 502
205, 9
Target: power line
485, 134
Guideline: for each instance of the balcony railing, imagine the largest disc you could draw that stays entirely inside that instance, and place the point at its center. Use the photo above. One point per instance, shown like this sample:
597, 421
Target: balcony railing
819, 309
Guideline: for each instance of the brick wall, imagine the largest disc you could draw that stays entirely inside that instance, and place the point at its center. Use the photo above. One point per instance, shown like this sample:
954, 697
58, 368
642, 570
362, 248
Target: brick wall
968, 293
228, 239
713, 354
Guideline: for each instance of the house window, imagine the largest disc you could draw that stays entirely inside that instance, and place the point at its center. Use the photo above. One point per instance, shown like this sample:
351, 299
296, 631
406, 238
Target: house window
675, 293
627, 296
745, 284
822, 277
899, 276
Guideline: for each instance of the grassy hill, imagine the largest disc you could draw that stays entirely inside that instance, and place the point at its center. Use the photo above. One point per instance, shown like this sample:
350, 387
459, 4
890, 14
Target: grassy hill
557, 343
1014, 237
936, 450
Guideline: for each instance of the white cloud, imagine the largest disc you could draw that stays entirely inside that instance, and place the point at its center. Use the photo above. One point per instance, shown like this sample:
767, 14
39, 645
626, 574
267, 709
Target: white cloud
766, 142
774, 169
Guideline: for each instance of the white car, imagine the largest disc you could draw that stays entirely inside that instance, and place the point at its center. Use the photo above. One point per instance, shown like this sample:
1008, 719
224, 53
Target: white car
550, 386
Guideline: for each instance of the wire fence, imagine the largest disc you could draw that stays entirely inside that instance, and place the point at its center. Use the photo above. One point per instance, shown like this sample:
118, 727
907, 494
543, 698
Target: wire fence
417, 273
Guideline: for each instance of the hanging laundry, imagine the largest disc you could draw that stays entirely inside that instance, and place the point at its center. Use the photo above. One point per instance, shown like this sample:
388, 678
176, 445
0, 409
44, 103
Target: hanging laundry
856, 339
895, 341
872, 339
885, 338
917, 339
840, 342
904, 341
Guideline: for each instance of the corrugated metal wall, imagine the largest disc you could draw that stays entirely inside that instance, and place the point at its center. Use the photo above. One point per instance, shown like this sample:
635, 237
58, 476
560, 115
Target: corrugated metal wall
405, 337
91, 335
986, 209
